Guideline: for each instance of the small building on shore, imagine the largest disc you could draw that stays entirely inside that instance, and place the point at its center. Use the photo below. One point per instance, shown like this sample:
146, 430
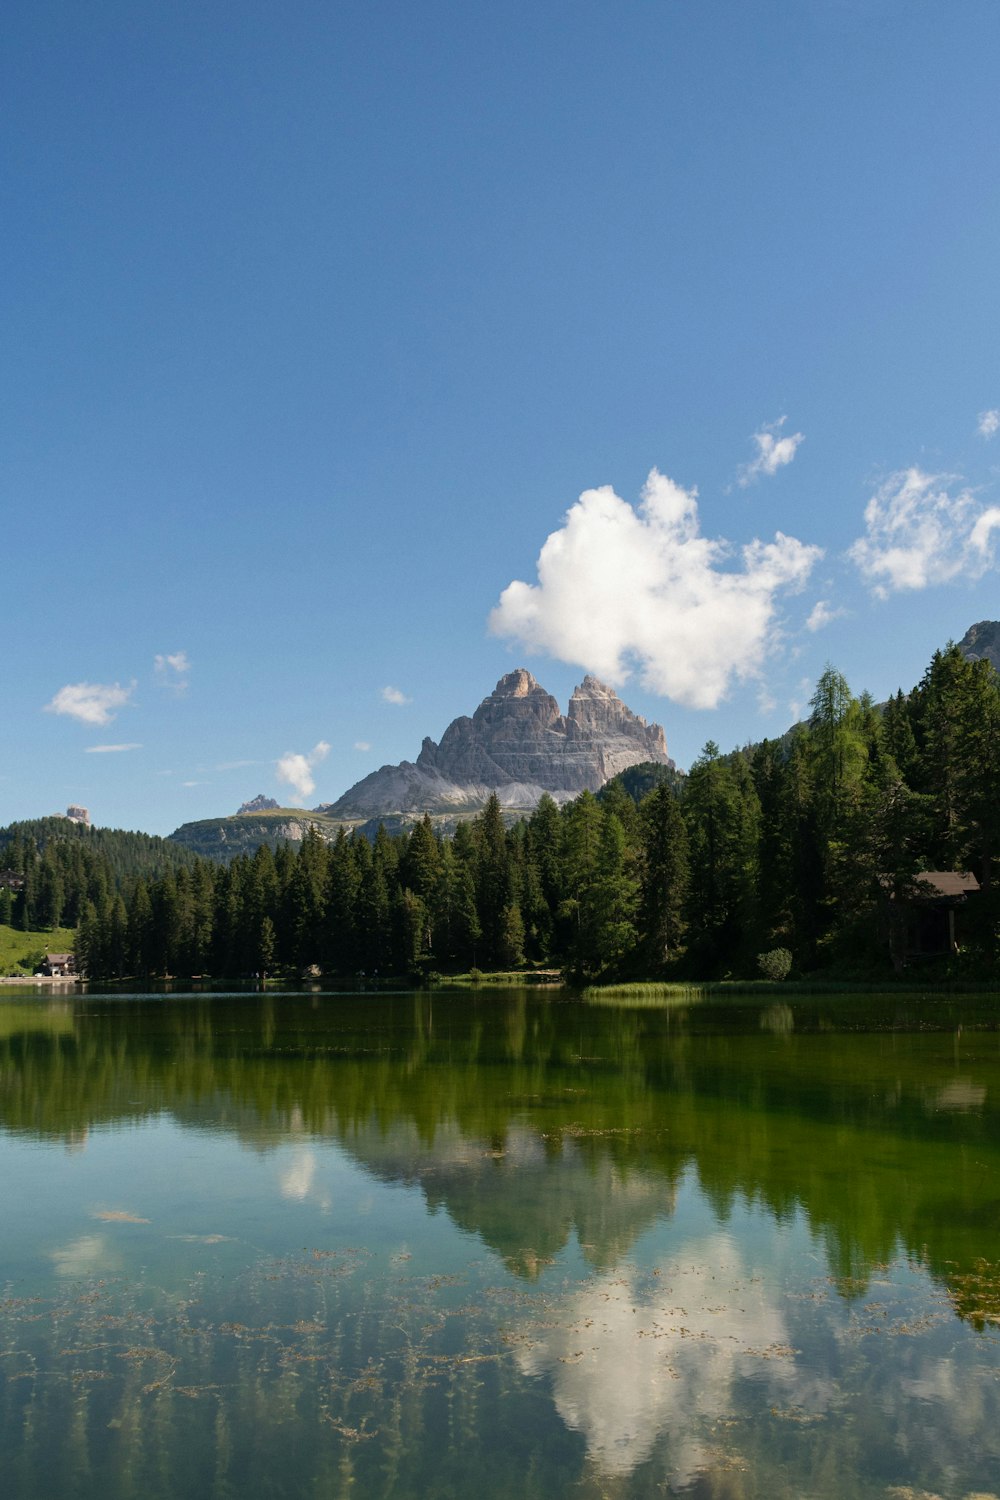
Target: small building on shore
926, 917
60, 965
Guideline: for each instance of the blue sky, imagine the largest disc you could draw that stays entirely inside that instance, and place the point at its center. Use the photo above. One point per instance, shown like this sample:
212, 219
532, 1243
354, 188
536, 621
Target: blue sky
319, 318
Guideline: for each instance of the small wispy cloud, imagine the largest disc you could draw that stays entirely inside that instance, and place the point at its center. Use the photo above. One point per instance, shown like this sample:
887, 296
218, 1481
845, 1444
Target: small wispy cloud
362, 745
822, 614
193, 783
989, 423
922, 529
803, 692
90, 702
773, 452
110, 749
238, 765
395, 695
177, 662
296, 770
172, 669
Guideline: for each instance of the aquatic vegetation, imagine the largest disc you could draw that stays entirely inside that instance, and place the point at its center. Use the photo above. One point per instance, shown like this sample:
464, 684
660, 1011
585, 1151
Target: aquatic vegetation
414, 1244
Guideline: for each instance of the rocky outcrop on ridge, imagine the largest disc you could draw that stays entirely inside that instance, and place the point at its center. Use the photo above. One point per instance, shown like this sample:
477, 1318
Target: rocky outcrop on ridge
259, 804
243, 833
517, 744
981, 642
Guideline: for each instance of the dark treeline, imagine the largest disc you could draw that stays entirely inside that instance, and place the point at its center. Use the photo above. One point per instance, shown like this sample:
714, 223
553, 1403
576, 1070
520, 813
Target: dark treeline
60, 866
791, 844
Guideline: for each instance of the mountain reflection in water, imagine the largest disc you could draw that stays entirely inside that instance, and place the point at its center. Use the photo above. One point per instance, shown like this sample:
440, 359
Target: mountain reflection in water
503, 1243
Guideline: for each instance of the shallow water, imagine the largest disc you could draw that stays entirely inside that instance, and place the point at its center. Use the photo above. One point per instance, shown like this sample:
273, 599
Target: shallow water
499, 1244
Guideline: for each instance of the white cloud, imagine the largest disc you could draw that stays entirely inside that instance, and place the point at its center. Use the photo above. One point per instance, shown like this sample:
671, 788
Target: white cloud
193, 783
362, 745
989, 422
920, 533
176, 662
773, 452
821, 614
803, 692
90, 702
109, 749
296, 770
980, 537
394, 695
617, 583
172, 669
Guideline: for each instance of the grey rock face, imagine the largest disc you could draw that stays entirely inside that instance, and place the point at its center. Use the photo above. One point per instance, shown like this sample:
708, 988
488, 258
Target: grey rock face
981, 642
517, 744
260, 803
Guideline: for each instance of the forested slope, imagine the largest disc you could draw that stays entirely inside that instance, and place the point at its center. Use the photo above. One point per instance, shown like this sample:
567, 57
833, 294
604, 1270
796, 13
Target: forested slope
791, 844
61, 865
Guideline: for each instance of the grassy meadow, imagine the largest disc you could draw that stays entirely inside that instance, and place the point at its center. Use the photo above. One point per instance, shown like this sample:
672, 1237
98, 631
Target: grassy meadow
18, 950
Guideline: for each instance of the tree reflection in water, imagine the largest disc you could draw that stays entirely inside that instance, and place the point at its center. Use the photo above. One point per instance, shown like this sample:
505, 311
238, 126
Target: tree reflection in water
682, 1251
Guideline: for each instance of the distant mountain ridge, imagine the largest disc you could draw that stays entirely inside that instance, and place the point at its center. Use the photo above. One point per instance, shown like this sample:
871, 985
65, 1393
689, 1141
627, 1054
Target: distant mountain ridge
517, 745
243, 833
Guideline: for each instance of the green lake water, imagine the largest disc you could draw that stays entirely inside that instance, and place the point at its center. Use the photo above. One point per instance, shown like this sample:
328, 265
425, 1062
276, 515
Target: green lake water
499, 1244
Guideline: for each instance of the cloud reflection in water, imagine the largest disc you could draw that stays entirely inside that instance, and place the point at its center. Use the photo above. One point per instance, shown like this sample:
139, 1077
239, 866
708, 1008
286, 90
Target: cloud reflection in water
632, 1361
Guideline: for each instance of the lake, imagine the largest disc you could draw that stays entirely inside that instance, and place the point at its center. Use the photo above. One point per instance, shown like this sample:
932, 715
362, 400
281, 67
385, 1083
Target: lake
499, 1244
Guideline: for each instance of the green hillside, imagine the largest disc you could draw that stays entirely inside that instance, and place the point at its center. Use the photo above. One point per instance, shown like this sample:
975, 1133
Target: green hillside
638, 781
52, 869
127, 853
20, 950
242, 833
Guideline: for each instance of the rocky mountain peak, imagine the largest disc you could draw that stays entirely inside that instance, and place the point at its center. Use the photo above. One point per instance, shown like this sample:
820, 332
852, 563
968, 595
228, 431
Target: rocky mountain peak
518, 744
517, 684
597, 714
593, 687
981, 642
259, 804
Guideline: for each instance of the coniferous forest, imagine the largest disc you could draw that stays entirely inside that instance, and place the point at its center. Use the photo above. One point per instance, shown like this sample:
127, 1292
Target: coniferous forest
790, 853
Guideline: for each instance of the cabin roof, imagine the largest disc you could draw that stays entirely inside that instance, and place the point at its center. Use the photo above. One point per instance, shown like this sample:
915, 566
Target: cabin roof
933, 885
948, 882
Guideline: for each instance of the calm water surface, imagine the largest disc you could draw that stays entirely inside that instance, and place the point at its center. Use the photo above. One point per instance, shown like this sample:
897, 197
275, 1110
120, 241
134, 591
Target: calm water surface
499, 1244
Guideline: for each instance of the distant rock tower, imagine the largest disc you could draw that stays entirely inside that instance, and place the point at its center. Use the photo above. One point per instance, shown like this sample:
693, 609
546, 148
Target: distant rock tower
78, 815
259, 804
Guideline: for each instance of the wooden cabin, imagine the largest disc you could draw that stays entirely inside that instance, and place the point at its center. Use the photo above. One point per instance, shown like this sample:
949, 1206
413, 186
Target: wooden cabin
926, 921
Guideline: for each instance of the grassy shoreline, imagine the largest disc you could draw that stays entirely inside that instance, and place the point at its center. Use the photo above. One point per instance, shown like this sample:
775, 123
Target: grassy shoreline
640, 994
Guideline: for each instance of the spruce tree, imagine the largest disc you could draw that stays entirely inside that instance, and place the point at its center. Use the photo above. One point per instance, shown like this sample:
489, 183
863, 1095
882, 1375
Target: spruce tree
340, 949
510, 953
609, 905
492, 877
664, 876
